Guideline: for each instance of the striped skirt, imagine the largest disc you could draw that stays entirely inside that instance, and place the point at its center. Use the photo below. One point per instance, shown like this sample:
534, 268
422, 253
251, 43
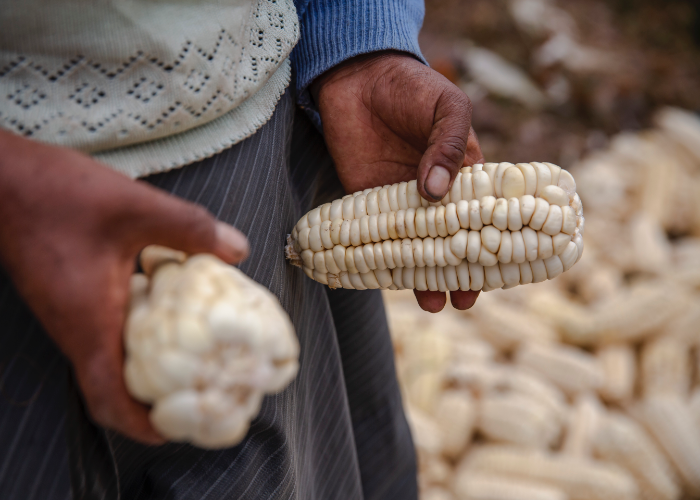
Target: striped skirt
337, 432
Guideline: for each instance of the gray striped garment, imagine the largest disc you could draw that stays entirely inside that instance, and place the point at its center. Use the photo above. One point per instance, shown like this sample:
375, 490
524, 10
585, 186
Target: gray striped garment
337, 432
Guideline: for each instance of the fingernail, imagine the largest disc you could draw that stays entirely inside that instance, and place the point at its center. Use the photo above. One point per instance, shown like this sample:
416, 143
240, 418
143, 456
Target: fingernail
437, 182
231, 241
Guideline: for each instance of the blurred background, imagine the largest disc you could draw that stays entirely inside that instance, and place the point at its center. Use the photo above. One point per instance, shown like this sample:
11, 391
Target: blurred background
556, 79
586, 387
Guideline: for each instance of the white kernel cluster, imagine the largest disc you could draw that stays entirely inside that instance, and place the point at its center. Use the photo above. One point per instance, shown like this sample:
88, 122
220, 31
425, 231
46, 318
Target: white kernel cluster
204, 344
499, 226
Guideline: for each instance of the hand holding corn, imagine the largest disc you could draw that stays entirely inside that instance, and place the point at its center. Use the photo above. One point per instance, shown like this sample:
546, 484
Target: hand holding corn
388, 118
390, 237
204, 344
71, 230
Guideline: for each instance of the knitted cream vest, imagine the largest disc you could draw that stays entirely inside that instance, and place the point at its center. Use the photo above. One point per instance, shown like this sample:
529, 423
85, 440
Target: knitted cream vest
143, 85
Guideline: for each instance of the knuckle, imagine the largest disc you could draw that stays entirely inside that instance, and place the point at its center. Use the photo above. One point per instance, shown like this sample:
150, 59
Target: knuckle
197, 217
452, 150
457, 104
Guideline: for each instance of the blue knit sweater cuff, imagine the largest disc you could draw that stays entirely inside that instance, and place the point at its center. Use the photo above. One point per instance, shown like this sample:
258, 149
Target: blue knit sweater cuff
335, 30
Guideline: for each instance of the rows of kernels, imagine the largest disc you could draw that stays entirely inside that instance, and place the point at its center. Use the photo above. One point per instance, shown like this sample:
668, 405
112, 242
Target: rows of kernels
204, 343
463, 275
514, 255
499, 216
503, 180
504, 214
549, 221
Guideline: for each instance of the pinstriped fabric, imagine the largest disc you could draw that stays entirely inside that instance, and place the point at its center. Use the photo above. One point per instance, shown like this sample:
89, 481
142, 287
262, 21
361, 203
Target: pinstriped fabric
33, 454
382, 438
338, 431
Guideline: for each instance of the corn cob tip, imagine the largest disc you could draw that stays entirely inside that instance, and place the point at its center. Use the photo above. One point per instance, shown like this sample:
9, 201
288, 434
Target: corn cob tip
291, 254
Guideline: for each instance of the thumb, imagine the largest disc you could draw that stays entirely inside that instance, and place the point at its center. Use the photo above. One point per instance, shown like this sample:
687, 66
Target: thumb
172, 222
447, 144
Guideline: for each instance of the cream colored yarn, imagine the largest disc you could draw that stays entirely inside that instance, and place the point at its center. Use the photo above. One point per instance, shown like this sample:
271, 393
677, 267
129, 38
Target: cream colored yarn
134, 82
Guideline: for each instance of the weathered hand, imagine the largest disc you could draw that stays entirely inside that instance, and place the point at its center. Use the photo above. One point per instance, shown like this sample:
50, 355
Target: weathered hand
70, 233
388, 118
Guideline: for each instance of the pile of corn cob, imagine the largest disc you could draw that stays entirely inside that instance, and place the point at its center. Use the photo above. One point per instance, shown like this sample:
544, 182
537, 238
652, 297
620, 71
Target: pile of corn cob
586, 387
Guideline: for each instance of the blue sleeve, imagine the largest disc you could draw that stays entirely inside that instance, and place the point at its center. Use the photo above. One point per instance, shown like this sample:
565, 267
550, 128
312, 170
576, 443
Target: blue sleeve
335, 30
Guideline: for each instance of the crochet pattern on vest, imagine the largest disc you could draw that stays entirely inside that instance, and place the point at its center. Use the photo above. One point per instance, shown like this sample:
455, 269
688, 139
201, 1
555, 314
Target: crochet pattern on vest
136, 83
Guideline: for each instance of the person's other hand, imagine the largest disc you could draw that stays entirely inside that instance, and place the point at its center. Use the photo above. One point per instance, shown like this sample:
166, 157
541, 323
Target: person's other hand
389, 118
70, 233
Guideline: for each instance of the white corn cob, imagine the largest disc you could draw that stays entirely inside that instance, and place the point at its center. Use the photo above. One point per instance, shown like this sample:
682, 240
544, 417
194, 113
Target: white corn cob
430, 353
683, 127
685, 326
471, 350
630, 316
436, 493
506, 327
486, 379
594, 280
652, 250
620, 440
579, 478
204, 344
480, 379
619, 366
427, 436
555, 309
423, 388
433, 469
477, 486
455, 415
154, 256
695, 406
670, 421
583, 422
569, 368
500, 225
528, 384
689, 276
665, 367
515, 419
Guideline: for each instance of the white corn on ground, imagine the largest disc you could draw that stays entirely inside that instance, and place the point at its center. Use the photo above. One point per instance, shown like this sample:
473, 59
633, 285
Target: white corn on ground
616, 304
499, 226
578, 478
517, 419
569, 368
204, 344
695, 406
479, 486
506, 328
671, 422
619, 369
666, 367
436, 493
631, 315
620, 440
456, 416
584, 420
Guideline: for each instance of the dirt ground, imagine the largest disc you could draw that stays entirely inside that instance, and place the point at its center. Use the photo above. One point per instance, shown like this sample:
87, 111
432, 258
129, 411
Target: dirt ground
599, 67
